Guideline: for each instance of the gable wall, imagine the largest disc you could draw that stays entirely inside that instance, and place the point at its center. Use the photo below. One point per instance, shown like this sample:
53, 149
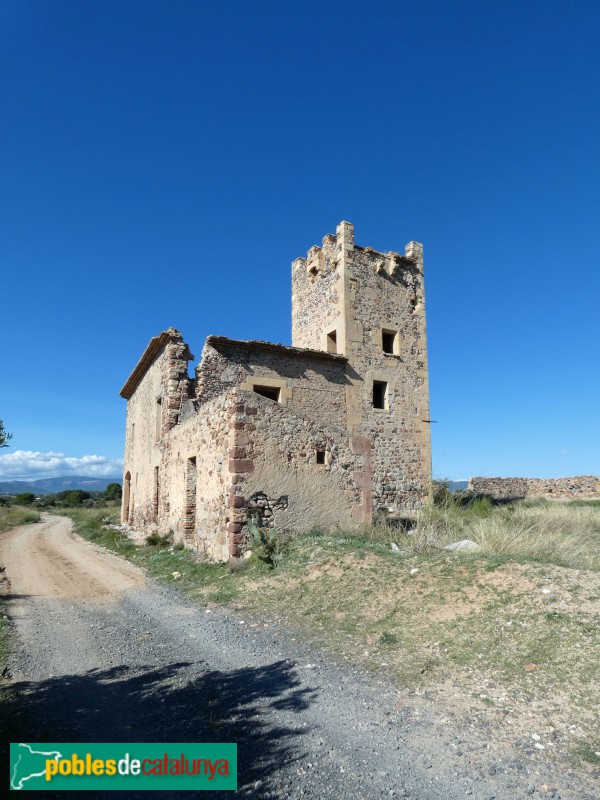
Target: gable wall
318, 386
142, 451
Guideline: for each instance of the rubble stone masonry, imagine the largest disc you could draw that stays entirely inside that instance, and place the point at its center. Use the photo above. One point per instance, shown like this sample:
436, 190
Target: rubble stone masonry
582, 487
328, 431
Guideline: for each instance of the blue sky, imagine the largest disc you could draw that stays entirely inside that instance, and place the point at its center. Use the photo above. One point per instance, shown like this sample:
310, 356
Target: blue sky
163, 163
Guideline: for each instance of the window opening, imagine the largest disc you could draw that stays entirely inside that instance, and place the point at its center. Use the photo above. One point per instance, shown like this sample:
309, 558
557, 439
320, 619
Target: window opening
332, 342
379, 394
189, 518
270, 392
156, 494
126, 496
158, 419
320, 456
388, 340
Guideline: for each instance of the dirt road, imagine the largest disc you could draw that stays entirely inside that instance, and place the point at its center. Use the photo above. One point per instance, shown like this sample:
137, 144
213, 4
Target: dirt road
105, 654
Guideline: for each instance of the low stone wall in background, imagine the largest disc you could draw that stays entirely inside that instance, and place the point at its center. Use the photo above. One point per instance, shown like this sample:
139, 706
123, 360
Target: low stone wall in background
581, 487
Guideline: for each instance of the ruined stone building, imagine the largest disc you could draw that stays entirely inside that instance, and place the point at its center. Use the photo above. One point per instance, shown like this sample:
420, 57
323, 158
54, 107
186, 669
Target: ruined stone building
329, 431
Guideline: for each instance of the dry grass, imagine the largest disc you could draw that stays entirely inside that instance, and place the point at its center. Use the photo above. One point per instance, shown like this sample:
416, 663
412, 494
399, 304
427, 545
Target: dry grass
12, 516
508, 634
554, 533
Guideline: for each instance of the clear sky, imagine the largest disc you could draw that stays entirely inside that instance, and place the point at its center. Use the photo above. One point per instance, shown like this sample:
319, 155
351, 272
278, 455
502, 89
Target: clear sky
162, 163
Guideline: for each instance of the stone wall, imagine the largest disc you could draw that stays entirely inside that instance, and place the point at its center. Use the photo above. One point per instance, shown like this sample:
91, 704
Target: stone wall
155, 391
317, 296
386, 294
201, 444
581, 487
361, 293
313, 384
275, 456
249, 451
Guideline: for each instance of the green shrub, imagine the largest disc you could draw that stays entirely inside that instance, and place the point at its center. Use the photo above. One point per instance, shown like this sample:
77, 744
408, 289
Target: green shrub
443, 497
25, 499
263, 541
156, 540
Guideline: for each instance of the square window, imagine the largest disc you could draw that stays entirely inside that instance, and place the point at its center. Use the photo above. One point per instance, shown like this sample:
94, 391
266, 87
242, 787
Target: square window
320, 456
270, 392
380, 399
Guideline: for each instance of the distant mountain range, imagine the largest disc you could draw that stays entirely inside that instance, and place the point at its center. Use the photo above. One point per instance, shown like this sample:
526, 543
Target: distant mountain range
52, 485
66, 483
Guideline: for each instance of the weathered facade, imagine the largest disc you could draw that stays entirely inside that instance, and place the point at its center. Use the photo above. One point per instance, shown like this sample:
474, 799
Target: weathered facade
326, 432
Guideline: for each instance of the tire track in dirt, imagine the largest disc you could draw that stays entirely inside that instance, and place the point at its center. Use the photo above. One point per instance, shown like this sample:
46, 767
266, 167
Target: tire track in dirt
105, 654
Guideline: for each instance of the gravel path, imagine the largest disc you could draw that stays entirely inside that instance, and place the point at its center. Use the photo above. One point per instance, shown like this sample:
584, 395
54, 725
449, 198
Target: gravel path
106, 654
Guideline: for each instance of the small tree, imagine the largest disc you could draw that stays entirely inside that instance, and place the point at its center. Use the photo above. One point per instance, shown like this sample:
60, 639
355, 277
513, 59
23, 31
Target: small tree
72, 497
113, 491
4, 436
25, 499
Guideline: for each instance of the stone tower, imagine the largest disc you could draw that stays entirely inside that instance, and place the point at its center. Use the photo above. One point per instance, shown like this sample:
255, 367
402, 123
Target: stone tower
330, 431
370, 307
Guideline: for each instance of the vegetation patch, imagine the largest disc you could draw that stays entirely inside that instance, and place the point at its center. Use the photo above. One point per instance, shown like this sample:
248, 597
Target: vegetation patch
510, 631
13, 516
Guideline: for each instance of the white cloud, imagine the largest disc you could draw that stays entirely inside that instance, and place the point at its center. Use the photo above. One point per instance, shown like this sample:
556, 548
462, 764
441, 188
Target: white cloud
31, 464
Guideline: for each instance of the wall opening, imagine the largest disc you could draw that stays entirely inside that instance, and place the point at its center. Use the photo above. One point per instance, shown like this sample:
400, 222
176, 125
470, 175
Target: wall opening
271, 392
320, 456
189, 514
155, 500
380, 398
332, 342
158, 429
388, 341
126, 496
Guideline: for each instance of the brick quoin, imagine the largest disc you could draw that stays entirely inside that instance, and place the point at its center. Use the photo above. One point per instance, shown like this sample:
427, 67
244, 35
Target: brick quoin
241, 465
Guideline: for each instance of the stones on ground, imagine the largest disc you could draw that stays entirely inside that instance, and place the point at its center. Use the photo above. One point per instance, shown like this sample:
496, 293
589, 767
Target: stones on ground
465, 545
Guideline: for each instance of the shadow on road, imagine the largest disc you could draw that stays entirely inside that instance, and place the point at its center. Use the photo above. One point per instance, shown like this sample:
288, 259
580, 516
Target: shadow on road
175, 703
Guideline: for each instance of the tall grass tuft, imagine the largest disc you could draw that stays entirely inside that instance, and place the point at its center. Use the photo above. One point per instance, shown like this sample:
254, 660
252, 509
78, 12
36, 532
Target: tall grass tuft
549, 532
557, 533
12, 516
